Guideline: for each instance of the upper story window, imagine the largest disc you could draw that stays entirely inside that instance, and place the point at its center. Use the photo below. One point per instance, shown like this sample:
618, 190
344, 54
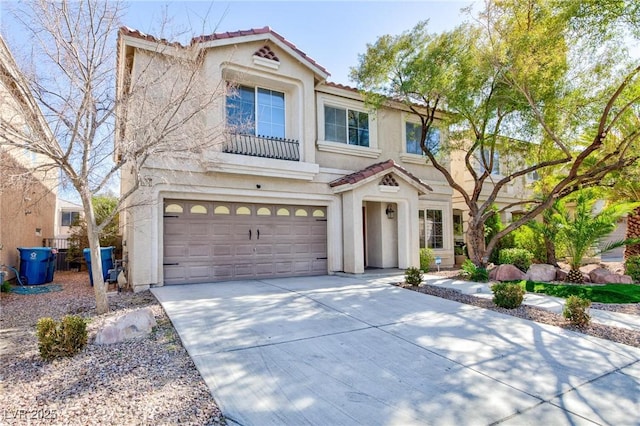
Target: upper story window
346, 126
256, 111
486, 157
69, 218
413, 132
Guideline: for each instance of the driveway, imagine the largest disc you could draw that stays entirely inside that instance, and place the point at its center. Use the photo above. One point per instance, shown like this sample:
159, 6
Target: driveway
345, 351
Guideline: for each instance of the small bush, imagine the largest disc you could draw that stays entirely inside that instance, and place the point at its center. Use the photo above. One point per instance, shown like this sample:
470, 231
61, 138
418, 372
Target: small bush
474, 273
56, 340
507, 295
426, 258
6, 287
632, 268
413, 276
575, 310
520, 258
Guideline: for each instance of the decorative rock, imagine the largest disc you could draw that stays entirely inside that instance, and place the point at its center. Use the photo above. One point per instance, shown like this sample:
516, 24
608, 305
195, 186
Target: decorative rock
506, 273
620, 279
600, 276
561, 274
586, 278
124, 327
541, 272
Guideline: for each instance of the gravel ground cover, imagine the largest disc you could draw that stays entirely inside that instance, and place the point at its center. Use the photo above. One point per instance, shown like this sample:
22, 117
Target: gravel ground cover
146, 381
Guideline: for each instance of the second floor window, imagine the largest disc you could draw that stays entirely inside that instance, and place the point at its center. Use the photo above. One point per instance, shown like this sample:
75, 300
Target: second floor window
69, 218
256, 111
413, 132
495, 170
346, 126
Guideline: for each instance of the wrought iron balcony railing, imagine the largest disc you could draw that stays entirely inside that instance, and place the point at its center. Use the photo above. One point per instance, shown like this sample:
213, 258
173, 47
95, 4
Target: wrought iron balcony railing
262, 146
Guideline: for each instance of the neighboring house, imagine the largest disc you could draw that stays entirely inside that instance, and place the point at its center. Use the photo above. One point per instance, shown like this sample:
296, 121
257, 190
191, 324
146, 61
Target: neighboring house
513, 192
67, 214
27, 199
309, 180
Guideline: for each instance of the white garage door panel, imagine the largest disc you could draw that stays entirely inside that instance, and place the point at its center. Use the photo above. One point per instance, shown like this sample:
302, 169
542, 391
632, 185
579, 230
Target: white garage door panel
209, 241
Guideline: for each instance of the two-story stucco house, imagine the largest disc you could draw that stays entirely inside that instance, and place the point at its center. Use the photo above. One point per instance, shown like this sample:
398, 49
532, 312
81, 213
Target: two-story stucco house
308, 180
27, 195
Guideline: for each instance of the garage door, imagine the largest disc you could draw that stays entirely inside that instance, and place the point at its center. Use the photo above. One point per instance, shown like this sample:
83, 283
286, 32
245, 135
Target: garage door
209, 241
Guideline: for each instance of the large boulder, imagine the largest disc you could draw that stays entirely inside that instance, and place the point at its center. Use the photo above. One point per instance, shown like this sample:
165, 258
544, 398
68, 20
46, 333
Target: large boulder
541, 272
620, 279
506, 273
600, 276
126, 326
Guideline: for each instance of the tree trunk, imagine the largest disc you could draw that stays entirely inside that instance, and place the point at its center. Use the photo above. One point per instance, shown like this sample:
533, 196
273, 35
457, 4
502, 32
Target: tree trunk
633, 231
93, 234
476, 244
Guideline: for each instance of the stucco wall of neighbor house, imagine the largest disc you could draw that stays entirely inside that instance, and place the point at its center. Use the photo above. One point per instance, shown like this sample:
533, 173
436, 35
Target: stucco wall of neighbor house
27, 211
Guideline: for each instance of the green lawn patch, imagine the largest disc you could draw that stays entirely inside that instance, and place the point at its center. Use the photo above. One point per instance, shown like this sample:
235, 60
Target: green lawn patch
608, 293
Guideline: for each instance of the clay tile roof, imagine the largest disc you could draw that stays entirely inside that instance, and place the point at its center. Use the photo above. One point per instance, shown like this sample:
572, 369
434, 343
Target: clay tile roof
341, 86
138, 34
258, 31
375, 169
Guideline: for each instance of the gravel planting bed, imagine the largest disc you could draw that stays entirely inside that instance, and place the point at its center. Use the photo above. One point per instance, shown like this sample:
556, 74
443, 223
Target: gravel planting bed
146, 381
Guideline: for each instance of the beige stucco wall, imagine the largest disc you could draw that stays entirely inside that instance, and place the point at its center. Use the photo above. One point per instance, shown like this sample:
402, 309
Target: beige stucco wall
227, 177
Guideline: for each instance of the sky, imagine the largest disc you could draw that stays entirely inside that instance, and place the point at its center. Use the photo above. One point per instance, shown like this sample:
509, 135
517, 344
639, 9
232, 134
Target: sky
331, 32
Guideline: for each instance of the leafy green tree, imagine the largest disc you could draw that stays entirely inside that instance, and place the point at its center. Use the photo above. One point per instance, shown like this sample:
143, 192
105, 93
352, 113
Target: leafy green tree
106, 209
582, 229
547, 72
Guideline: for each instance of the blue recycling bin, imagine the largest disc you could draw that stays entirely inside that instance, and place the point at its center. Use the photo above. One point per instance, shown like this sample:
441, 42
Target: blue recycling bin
51, 268
106, 255
34, 264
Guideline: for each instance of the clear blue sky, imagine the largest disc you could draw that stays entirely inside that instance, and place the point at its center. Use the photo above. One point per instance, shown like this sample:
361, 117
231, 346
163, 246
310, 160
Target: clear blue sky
331, 32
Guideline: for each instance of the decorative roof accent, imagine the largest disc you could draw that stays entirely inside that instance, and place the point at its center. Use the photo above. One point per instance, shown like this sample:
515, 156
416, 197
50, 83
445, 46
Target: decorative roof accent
259, 31
266, 53
389, 180
377, 169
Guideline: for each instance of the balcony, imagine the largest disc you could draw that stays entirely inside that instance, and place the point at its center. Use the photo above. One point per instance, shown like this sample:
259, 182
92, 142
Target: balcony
262, 146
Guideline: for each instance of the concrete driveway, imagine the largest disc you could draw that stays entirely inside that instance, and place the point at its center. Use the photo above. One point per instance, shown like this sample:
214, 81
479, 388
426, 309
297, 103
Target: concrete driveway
344, 351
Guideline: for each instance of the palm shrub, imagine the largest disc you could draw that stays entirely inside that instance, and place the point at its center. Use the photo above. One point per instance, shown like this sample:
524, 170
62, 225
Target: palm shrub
582, 229
575, 310
413, 276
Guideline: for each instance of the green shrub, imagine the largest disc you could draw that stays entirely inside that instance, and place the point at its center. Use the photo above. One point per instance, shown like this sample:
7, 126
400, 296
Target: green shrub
413, 276
575, 310
473, 272
632, 268
56, 340
520, 258
426, 258
507, 295
6, 287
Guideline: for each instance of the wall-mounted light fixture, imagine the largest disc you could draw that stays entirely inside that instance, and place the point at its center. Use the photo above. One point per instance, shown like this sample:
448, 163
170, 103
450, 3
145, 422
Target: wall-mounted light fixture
391, 213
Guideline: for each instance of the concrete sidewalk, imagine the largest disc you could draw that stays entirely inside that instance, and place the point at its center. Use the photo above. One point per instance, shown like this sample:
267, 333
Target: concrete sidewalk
346, 351
549, 303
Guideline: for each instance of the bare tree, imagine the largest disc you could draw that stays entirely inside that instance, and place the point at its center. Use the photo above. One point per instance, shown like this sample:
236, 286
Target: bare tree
89, 102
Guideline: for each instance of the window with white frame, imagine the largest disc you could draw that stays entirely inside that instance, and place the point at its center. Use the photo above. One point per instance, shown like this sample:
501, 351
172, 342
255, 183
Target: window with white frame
431, 228
413, 134
346, 126
256, 111
69, 218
